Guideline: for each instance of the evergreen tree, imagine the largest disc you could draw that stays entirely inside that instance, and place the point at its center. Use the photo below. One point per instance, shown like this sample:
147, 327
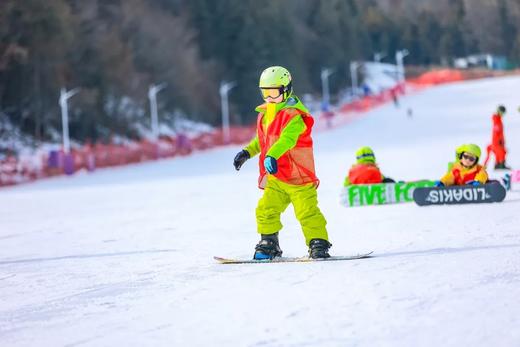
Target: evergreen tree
115, 49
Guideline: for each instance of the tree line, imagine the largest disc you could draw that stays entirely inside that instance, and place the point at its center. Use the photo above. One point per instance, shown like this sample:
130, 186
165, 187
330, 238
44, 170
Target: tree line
115, 49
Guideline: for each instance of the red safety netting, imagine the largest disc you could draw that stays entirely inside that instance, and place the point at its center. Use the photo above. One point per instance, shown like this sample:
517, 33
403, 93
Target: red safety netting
92, 156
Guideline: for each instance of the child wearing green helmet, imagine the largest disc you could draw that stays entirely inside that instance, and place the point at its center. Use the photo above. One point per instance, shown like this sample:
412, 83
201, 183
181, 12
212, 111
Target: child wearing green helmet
466, 169
286, 165
365, 171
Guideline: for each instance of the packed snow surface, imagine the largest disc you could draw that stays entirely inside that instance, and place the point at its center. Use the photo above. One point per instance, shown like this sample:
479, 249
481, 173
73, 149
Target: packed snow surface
124, 257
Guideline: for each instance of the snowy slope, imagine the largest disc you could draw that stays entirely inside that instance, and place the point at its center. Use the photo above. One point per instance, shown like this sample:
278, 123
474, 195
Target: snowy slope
123, 257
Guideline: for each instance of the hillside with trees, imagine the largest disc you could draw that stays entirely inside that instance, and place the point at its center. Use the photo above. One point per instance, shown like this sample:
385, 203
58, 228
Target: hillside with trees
114, 49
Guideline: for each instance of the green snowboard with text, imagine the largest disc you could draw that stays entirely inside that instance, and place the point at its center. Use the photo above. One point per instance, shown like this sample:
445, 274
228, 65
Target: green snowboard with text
381, 193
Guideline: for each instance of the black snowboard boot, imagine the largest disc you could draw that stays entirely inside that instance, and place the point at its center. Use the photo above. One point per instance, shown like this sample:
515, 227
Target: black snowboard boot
319, 248
268, 247
502, 166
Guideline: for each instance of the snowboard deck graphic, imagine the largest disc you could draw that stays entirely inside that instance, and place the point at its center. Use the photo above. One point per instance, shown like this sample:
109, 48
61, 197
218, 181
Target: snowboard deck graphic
486, 193
380, 193
290, 259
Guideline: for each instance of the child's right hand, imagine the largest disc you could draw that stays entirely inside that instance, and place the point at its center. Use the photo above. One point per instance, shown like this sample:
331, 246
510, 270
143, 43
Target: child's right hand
240, 159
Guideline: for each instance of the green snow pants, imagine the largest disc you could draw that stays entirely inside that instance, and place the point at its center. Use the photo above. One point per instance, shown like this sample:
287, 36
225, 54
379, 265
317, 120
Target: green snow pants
277, 196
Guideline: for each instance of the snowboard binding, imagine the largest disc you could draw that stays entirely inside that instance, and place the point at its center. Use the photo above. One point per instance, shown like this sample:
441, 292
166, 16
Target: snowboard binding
268, 248
319, 248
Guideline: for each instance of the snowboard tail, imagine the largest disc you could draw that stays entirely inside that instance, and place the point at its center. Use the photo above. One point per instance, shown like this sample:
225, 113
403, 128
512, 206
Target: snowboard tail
290, 259
486, 193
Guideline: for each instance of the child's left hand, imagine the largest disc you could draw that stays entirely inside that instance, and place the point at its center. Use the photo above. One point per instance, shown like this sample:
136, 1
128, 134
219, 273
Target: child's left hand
271, 165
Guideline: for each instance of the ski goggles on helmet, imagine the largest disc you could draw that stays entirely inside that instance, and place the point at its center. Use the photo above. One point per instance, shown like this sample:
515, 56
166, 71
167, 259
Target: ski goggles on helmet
365, 156
274, 92
271, 92
468, 157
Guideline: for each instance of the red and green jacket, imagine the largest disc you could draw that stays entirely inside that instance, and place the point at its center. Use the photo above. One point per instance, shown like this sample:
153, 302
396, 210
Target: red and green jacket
286, 136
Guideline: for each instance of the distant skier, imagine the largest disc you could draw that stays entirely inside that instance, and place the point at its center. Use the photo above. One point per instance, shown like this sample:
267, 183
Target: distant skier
498, 146
395, 99
286, 163
466, 169
365, 171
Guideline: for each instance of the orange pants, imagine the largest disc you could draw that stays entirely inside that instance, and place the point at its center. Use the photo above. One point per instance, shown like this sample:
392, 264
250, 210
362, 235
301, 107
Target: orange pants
499, 151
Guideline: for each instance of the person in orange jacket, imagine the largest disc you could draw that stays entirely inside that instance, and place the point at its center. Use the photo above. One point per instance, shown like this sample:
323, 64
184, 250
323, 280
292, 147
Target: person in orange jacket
498, 143
466, 169
365, 171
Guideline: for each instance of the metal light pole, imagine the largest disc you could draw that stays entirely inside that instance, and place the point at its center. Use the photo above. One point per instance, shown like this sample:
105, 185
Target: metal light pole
399, 59
64, 96
325, 73
152, 96
225, 87
353, 76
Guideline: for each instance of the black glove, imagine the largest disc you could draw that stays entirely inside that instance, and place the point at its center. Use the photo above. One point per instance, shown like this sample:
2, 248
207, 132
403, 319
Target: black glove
240, 159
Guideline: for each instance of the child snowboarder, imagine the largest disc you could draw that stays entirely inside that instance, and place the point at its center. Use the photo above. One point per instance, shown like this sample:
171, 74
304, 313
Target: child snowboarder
286, 163
365, 171
466, 169
498, 146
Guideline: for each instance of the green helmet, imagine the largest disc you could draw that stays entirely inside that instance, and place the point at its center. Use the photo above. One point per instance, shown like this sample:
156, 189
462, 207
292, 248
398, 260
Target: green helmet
276, 77
365, 155
468, 148
501, 109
